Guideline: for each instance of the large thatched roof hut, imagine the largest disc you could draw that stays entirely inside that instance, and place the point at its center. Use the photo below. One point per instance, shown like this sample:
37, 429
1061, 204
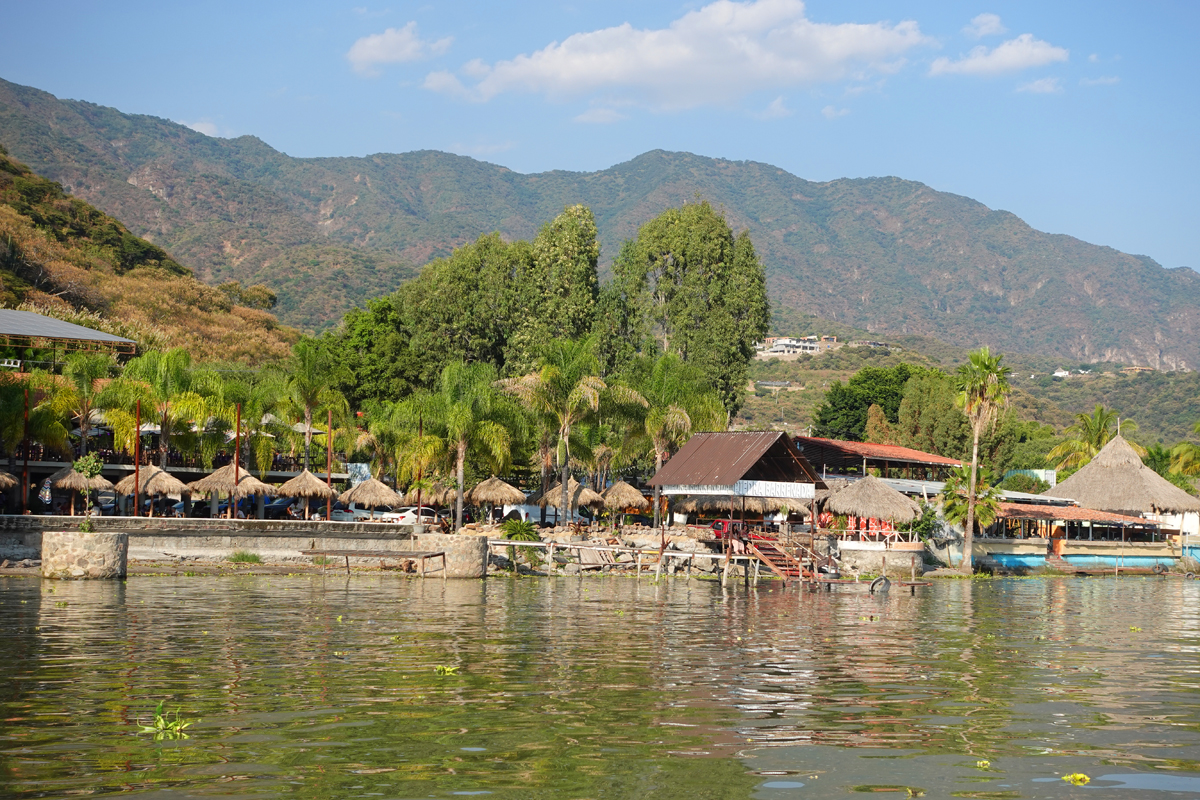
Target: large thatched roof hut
872, 498
153, 481
621, 496
1116, 480
371, 493
307, 485
496, 492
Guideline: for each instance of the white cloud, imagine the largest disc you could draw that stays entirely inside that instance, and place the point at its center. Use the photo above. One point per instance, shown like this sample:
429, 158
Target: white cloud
714, 55
393, 46
203, 126
1094, 58
829, 112
985, 25
776, 110
1041, 86
1011, 56
600, 116
1104, 80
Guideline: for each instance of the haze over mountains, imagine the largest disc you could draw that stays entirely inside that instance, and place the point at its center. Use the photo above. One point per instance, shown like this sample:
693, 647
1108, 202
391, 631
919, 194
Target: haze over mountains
883, 254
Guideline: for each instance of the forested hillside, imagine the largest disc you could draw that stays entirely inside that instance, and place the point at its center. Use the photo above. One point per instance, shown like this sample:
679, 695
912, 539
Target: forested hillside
885, 255
61, 256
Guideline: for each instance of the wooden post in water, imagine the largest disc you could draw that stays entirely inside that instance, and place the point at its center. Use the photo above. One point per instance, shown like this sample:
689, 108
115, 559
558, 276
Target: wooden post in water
913, 570
755, 582
639, 563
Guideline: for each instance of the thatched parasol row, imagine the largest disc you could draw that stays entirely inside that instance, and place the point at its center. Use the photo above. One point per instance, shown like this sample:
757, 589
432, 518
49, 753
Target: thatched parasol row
371, 493
621, 496
307, 485
222, 482
578, 496
496, 492
753, 505
153, 481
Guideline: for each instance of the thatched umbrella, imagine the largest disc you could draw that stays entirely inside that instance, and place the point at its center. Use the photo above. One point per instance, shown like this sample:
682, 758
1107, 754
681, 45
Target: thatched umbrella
7, 481
222, 482
371, 494
621, 496
873, 499
1116, 480
154, 481
494, 492
307, 485
68, 478
578, 496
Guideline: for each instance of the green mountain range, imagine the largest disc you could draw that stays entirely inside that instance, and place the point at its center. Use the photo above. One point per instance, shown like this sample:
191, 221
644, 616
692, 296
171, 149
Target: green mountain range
890, 256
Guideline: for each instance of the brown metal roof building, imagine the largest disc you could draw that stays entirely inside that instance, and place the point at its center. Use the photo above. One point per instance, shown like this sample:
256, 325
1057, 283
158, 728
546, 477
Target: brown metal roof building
834, 456
722, 459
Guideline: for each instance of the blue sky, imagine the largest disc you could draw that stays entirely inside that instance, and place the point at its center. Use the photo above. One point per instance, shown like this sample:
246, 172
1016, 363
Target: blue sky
1080, 117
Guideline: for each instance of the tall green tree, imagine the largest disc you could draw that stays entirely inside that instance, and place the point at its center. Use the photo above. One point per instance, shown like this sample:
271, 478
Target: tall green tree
75, 394
699, 291
678, 403
928, 418
312, 376
170, 390
472, 413
556, 289
566, 390
1088, 435
983, 388
1185, 456
843, 414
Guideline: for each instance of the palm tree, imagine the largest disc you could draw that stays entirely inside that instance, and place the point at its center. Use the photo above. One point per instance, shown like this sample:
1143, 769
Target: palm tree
956, 500
312, 375
471, 413
677, 403
261, 398
567, 390
983, 388
1088, 436
167, 386
44, 424
75, 395
1185, 456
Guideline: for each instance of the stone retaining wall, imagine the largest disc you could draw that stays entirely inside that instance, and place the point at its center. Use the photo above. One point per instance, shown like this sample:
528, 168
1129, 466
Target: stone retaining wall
71, 555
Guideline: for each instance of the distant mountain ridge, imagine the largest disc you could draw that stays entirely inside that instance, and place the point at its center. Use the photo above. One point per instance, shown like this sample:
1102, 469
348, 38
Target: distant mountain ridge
887, 255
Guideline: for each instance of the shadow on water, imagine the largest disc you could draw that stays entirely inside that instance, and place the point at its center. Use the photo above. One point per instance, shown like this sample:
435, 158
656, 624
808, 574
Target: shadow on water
329, 687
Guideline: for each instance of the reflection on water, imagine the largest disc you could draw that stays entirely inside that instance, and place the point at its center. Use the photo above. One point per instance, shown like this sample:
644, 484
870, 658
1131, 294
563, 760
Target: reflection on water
325, 687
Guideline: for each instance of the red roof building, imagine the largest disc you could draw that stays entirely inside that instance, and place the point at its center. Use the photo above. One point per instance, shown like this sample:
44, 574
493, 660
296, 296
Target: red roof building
834, 456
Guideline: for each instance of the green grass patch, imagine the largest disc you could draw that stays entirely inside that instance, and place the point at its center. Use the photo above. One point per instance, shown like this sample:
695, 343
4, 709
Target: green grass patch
244, 557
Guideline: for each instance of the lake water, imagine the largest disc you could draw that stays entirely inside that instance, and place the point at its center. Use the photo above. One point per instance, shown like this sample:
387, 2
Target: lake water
327, 687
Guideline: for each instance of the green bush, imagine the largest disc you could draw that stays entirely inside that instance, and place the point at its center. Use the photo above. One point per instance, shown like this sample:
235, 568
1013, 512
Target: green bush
245, 557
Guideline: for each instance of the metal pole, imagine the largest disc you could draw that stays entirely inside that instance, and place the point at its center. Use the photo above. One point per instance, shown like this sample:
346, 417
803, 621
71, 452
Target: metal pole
237, 455
137, 459
329, 468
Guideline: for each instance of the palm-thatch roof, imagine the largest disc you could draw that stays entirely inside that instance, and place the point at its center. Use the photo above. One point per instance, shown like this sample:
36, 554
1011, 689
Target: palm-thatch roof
437, 495
7, 481
153, 481
621, 495
578, 496
371, 494
496, 492
68, 478
307, 485
753, 505
222, 482
874, 499
1116, 480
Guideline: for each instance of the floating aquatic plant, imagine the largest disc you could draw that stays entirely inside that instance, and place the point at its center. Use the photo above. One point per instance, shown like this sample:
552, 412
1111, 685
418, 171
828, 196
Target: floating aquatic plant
1077, 778
167, 725
442, 670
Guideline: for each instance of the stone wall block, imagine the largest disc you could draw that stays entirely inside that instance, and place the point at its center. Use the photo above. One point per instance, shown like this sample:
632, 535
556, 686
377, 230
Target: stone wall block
466, 554
71, 555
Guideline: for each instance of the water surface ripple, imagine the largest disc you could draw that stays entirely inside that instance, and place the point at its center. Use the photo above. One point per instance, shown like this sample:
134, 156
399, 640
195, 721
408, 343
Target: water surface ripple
328, 687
